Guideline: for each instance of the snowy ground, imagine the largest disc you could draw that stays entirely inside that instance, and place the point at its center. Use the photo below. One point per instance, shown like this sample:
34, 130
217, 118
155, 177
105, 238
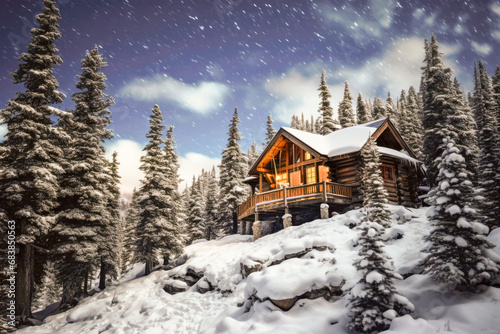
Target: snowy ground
290, 263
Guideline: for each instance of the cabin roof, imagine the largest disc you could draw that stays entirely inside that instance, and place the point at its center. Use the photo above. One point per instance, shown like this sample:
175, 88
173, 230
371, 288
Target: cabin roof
341, 142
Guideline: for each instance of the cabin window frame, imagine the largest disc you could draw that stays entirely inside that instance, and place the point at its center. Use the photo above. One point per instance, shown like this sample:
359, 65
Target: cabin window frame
387, 173
313, 176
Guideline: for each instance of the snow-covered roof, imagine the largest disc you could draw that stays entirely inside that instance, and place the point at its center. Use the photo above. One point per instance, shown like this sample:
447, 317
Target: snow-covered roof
345, 141
339, 142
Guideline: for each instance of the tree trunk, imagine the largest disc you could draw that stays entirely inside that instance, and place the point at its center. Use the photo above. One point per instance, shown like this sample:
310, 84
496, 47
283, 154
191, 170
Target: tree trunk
86, 282
24, 282
72, 292
235, 223
166, 258
102, 276
149, 267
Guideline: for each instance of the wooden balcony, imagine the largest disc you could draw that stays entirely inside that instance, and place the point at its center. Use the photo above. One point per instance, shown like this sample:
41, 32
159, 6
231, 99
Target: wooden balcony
307, 194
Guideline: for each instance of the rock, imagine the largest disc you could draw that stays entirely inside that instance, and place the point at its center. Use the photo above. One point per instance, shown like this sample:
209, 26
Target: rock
257, 230
248, 268
284, 304
327, 292
204, 286
175, 286
287, 220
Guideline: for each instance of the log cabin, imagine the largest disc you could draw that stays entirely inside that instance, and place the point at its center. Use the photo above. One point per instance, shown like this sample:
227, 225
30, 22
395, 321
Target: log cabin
298, 171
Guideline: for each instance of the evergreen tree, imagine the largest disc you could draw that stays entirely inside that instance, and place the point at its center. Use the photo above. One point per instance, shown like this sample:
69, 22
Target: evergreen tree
270, 131
411, 124
496, 92
29, 154
486, 109
253, 154
129, 228
110, 258
458, 240
211, 206
295, 124
346, 112
232, 173
325, 108
196, 211
50, 289
157, 232
362, 111
83, 213
378, 109
372, 186
390, 109
374, 300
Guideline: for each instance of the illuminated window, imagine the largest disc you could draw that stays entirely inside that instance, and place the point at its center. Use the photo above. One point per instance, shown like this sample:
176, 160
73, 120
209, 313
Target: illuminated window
307, 156
311, 174
387, 173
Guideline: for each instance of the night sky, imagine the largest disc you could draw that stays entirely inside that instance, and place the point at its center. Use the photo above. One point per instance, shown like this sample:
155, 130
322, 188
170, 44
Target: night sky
200, 59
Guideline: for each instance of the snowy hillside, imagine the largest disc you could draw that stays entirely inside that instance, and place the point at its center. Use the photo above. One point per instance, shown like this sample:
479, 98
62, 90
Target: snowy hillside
234, 285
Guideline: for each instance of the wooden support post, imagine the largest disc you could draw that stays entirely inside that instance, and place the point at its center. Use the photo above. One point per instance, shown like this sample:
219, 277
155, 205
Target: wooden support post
284, 197
260, 182
256, 215
324, 192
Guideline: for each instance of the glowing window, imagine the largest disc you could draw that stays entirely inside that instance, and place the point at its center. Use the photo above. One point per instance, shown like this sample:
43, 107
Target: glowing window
311, 174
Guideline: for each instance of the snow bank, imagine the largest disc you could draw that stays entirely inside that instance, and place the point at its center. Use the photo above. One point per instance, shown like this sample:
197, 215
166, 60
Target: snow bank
286, 264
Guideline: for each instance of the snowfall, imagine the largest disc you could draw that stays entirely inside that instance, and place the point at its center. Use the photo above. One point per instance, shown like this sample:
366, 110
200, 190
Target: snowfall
229, 286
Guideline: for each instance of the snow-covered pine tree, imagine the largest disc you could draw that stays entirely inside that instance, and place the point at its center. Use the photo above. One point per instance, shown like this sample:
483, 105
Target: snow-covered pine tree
232, 173
196, 211
29, 154
374, 300
346, 112
496, 92
270, 131
486, 109
212, 206
363, 114
325, 109
129, 231
157, 233
253, 154
372, 185
378, 109
456, 255
49, 290
313, 125
390, 109
436, 90
412, 124
108, 247
295, 123
83, 213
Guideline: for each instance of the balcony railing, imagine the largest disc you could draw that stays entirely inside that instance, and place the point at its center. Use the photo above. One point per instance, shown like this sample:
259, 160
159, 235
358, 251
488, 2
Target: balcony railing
291, 194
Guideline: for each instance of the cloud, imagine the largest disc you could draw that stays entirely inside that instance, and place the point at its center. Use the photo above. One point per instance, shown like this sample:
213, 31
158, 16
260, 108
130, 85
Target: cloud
3, 131
397, 69
483, 49
495, 8
496, 35
191, 164
201, 98
129, 155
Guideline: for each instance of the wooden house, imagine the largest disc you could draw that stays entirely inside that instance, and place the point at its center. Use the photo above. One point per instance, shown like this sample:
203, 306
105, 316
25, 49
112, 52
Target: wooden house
298, 171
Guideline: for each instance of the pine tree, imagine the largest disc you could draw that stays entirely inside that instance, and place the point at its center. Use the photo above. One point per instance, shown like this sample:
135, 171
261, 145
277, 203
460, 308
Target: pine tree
129, 231
374, 300
378, 109
270, 131
295, 123
390, 109
197, 228
325, 108
411, 124
372, 186
346, 112
29, 154
437, 88
50, 289
458, 240
211, 206
108, 246
253, 154
362, 111
83, 213
232, 172
486, 109
157, 232
496, 92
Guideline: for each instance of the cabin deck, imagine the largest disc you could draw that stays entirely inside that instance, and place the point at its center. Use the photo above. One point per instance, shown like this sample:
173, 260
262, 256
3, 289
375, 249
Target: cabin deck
290, 198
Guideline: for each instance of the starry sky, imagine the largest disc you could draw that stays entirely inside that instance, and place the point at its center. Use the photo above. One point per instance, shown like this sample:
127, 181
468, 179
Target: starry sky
198, 60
